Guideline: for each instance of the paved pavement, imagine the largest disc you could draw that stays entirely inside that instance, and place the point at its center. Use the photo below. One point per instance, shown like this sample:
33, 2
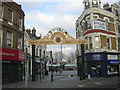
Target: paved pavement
67, 81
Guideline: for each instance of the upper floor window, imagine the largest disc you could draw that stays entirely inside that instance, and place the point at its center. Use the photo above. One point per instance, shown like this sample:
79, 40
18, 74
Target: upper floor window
10, 15
20, 22
96, 43
1, 11
9, 39
117, 27
19, 42
94, 2
108, 43
106, 24
1, 36
90, 43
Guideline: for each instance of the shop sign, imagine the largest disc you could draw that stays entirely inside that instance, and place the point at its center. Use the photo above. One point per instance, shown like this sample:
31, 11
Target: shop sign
95, 57
12, 54
114, 61
99, 25
112, 57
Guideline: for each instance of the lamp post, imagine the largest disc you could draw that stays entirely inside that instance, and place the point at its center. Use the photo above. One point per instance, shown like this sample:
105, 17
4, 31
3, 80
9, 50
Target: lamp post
82, 64
33, 62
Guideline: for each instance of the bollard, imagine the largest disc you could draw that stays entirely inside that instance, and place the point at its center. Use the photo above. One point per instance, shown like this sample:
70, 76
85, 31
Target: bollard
88, 77
51, 78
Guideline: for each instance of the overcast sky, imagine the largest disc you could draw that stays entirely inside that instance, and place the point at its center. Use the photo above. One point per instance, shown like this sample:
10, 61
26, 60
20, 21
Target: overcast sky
47, 14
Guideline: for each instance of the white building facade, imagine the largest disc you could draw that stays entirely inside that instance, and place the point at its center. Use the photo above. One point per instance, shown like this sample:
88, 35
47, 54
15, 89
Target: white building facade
101, 27
40, 50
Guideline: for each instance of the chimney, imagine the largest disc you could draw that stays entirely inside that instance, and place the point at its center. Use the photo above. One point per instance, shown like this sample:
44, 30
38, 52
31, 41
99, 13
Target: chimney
106, 7
33, 32
28, 31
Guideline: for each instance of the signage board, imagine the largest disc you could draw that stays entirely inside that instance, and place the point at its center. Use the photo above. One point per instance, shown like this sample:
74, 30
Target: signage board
113, 61
12, 54
95, 57
112, 57
99, 25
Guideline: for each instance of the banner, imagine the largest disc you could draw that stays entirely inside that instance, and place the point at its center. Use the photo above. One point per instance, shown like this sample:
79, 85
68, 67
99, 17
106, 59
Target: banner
99, 25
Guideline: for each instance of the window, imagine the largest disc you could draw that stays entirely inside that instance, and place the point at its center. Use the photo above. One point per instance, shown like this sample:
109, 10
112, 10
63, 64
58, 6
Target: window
9, 39
90, 42
97, 44
1, 11
106, 20
10, 15
36, 51
117, 24
89, 23
108, 43
94, 2
19, 42
20, 22
1, 37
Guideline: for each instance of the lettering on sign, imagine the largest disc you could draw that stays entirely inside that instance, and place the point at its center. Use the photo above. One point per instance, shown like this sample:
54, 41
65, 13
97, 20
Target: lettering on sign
57, 36
99, 25
112, 57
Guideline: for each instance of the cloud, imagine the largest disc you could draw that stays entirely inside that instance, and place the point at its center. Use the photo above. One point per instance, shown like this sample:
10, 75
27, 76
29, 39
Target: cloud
43, 22
53, 13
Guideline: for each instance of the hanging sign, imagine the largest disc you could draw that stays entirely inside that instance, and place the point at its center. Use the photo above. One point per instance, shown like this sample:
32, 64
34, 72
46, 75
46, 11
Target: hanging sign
57, 36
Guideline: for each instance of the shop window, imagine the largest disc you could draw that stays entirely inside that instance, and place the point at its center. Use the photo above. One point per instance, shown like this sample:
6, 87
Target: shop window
9, 39
10, 15
19, 42
1, 11
90, 43
1, 36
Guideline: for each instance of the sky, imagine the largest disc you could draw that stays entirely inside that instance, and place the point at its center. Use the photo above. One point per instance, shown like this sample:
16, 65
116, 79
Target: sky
47, 14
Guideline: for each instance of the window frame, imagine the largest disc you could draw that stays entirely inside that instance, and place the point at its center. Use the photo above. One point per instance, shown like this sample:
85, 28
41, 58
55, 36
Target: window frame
90, 42
1, 11
108, 44
20, 22
10, 17
19, 43
9, 39
1, 36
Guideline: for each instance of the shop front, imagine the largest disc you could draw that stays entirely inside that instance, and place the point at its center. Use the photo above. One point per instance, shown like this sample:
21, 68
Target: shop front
12, 65
101, 64
113, 65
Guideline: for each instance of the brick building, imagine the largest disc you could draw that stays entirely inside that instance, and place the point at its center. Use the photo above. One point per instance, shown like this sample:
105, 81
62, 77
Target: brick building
101, 27
12, 53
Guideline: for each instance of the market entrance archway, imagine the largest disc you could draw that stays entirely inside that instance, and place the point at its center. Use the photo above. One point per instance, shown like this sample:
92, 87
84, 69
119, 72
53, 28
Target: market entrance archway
58, 36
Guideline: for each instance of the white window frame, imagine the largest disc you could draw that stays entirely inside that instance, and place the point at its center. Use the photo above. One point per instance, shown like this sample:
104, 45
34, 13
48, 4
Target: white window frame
90, 42
94, 2
10, 22
11, 39
20, 22
19, 42
1, 36
1, 11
